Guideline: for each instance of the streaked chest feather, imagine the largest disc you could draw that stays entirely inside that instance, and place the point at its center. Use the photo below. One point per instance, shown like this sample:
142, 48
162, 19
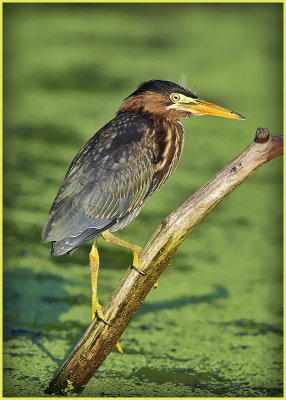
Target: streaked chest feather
169, 141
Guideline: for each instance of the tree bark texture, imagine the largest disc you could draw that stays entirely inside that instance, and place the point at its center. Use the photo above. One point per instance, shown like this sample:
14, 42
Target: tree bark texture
99, 339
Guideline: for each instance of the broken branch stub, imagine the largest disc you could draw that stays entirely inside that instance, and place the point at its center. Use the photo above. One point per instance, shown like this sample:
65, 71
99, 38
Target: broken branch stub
99, 339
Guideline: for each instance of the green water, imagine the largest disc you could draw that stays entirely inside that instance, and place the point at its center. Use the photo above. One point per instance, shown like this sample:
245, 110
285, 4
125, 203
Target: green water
214, 326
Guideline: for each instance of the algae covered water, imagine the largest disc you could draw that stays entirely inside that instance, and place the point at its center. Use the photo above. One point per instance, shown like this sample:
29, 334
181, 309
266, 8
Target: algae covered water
214, 325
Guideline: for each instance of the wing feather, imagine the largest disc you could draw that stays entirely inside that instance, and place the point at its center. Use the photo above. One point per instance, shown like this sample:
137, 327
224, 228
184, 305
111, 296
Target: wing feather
109, 178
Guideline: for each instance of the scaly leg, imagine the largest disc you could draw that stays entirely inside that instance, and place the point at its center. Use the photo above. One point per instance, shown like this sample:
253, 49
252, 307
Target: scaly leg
109, 237
95, 306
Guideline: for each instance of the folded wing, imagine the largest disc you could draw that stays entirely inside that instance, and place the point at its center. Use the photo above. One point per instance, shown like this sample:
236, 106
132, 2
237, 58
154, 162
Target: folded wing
107, 181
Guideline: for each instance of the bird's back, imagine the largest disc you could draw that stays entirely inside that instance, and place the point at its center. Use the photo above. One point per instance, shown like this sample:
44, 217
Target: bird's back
108, 179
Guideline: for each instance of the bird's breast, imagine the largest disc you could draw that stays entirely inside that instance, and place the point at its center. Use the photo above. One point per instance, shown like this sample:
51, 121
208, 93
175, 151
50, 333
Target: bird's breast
168, 143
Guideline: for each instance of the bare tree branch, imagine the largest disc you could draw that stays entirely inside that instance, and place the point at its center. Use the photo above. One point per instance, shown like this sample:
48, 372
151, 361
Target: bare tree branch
99, 339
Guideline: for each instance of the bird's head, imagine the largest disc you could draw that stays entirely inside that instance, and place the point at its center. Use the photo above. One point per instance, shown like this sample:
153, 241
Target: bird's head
167, 100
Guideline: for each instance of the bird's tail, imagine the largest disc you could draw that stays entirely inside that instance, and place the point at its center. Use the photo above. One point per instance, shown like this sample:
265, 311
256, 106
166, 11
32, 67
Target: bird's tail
71, 243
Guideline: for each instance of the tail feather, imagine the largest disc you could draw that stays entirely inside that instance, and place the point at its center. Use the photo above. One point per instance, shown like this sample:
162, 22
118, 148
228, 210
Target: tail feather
71, 243
52, 249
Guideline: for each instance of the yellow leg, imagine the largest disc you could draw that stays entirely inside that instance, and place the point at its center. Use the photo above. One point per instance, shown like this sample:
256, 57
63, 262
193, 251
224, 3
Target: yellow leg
156, 284
96, 308
109, 237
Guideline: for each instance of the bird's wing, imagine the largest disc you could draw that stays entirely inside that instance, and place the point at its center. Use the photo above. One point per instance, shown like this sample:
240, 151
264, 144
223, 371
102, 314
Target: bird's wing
109, 178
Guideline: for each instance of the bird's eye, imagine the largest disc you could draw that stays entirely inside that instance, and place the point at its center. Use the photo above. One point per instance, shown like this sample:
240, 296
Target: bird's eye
175, 97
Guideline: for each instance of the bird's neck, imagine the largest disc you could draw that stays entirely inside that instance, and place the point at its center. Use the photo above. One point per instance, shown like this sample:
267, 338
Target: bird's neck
150, 105
169, 140
167, 136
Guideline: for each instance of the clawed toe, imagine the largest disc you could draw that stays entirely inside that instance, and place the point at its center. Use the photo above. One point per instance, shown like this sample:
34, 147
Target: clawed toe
138, 269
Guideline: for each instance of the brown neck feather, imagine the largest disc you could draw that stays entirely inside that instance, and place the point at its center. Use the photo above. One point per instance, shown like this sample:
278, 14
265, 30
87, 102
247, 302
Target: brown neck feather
152, 105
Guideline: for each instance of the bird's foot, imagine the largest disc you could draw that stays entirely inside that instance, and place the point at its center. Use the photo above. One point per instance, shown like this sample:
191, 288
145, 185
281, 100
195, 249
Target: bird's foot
135, 265
97, 312
156, 284
137, 269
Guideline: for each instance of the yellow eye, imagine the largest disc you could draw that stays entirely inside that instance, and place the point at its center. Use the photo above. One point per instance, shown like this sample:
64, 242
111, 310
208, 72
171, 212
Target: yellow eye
175, 97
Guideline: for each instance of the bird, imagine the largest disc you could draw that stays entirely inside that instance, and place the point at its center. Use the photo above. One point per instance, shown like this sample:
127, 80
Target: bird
119, 168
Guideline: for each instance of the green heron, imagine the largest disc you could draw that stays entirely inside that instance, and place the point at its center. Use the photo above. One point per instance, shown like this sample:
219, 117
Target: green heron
123, 164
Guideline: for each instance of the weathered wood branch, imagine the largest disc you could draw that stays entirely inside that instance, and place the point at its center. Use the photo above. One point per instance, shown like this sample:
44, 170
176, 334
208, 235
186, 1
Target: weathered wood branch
99, 339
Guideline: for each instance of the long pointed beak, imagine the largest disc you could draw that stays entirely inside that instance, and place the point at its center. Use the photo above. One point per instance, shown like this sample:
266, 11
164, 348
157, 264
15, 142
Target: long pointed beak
201, 107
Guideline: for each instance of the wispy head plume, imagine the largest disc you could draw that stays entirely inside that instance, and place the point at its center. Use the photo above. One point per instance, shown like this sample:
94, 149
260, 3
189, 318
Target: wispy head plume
183, 82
